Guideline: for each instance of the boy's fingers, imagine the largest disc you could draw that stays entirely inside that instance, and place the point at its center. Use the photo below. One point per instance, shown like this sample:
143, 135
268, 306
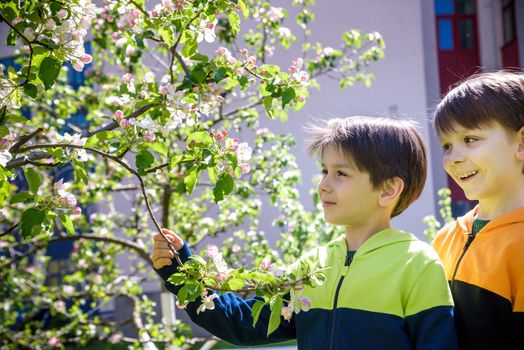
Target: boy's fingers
162, 253
159, 263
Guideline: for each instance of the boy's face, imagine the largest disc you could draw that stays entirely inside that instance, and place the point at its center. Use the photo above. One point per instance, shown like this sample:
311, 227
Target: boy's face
483, 161
346, 193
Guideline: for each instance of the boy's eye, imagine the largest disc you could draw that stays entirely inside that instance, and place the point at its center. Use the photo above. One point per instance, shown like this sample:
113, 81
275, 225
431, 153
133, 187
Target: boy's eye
446, 147
323, 172
469, 139
341, 173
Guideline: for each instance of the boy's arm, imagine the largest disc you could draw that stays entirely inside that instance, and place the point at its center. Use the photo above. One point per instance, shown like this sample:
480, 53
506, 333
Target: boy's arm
231, 318
429, 311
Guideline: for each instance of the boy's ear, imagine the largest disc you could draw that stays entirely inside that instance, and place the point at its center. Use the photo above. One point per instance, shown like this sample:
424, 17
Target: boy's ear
520, 150
391, 190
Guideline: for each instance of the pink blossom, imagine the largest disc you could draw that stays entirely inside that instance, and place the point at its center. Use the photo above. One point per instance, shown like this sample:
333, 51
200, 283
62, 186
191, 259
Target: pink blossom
87, 58
168, 5
244, 167
239, 71
29, 34
126, 78
125, 124
77, 211
244, 52
224, 133
115, 338
286, 312
298, 62
130, 50
163, 90
54, 342
50, 24
251, 60
301, 98
220, 137
149, 137
118, 115
62, 14
78, 66
262, 131
305, 303
235, 248
212, 251
293, 69
222, 50
265, 264
234, 144
221, 278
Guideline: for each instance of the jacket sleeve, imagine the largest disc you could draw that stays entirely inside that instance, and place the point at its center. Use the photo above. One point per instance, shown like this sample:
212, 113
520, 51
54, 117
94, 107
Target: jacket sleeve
231, 318
429, 311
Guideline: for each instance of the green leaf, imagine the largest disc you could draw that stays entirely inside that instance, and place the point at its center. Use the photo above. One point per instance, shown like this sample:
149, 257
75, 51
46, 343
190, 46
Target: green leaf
276, 305
4, 131
20, 197
191, 178
190, 48
268, 105
167, 35
49, 70
177, 278
243, 8
80, 173
212, 173
143, 160
236, 283
31, 222
158, 147
33, 179
234, 21
255, 311
198, 73
223, 187
67, 222
199, 57
30, 90
288, 95
200, 137
220, 74
232, 159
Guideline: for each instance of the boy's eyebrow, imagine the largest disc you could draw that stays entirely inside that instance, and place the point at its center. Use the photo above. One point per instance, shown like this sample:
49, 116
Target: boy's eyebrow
339, 165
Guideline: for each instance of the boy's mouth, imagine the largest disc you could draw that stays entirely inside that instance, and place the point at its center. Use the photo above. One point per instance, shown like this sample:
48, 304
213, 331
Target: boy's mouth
328, 204
468, 175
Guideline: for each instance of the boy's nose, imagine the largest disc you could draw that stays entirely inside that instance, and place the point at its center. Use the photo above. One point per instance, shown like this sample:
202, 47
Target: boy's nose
454, 156
324, 186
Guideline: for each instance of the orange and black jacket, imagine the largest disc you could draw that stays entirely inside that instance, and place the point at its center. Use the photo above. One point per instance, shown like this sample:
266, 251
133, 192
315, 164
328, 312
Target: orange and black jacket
486, 276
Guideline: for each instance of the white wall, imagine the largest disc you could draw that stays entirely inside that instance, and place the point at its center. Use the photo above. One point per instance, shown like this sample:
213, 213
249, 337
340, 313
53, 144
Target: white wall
398, 90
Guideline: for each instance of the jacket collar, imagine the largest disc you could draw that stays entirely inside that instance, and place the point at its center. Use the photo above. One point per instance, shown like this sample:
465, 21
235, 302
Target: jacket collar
514, 216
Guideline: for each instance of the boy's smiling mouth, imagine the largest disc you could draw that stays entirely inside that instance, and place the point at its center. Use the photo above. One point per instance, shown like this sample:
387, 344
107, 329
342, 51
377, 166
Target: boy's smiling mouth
328, 204
468, 175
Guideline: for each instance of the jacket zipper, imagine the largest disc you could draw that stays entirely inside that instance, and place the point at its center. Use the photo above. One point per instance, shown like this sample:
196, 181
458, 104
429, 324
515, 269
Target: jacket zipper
347, 262
471, 237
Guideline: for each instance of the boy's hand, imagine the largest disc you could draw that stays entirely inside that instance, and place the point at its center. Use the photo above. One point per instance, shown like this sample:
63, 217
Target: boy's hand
161, 254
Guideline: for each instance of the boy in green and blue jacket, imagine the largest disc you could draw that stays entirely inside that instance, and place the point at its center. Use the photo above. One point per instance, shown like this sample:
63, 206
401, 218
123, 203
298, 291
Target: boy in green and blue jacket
384, 288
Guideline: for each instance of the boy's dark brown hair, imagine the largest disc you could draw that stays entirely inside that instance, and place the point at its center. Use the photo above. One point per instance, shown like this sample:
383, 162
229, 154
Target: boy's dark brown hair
384, 148
481, 100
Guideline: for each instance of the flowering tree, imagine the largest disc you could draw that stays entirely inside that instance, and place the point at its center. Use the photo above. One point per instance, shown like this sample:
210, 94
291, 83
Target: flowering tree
159, 124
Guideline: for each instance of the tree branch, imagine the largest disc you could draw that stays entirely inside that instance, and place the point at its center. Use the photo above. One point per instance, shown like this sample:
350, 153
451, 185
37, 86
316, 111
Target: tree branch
128, 168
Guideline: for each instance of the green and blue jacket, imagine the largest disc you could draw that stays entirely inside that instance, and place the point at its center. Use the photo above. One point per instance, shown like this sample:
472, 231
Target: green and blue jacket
391, 294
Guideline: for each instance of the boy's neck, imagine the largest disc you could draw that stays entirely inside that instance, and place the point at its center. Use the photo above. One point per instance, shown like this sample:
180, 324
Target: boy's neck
356, 236
490, 208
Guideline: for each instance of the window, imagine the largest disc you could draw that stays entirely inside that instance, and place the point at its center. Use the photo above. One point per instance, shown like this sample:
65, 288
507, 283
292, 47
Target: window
445, 34
508, 20
464, 7
466, 33
443, 7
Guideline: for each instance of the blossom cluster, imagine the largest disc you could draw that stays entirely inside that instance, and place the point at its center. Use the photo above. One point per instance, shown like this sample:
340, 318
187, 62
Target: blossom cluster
65, 198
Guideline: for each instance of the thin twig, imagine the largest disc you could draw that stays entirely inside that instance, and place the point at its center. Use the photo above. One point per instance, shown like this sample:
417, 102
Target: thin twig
25, 139
128, 168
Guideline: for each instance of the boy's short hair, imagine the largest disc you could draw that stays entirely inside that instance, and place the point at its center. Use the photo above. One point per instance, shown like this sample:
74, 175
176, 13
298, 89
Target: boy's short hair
384, 148
481, 100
